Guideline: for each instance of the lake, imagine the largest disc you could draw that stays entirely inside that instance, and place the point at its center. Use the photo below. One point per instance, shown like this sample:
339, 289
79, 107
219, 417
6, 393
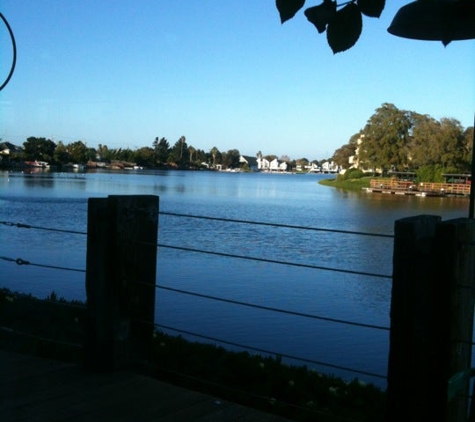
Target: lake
59, 200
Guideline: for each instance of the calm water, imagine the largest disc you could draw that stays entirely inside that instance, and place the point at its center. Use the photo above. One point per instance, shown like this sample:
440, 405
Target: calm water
59, 200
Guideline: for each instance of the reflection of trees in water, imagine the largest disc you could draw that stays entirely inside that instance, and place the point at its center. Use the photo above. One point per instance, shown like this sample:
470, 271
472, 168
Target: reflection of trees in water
33, 181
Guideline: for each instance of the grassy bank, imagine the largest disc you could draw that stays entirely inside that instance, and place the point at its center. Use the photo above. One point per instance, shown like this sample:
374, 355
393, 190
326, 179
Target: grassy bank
263, 382
347, 184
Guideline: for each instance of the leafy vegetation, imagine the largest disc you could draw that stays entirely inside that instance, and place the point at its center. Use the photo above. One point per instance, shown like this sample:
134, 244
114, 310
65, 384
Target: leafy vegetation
160, 155
347, 184
258, 381
402, 140
343, 22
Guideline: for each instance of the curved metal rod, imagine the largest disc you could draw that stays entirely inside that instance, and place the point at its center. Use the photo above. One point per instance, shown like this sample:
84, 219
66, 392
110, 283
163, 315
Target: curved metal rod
14, 52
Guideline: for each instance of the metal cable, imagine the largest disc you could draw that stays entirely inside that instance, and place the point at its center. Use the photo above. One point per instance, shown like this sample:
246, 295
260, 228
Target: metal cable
269, 352
28, 226
273, 261
20, 261
268, 308
287, 226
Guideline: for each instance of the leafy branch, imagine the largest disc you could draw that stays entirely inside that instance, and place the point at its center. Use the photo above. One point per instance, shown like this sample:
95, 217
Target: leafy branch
343, 22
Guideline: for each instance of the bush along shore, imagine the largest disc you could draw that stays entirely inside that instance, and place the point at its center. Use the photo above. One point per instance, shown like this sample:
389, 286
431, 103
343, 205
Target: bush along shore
352, 179
54, 328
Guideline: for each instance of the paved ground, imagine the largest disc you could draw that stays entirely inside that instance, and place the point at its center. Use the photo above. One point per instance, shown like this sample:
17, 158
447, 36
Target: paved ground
41, 390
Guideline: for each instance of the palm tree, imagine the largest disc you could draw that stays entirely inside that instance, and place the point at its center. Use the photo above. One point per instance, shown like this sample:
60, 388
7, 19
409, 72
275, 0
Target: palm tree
214, 152
191, 151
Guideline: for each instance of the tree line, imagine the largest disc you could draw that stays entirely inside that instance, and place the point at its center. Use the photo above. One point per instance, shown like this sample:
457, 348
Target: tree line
159, 155
402, 140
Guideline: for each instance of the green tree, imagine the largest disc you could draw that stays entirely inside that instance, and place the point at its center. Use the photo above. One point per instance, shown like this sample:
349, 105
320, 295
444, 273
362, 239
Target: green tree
78, 152
468, 146
61, 154
342, 155
386, 139
41, 149
161, 149
453, 148
231, 159
179, 153
191, 150
145, 157
214, 152
103, 153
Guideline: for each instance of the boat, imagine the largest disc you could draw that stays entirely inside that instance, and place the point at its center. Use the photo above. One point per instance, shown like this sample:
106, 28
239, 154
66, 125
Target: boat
37, 164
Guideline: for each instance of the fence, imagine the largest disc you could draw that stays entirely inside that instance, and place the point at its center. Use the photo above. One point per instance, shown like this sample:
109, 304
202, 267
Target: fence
117, 223
462, 189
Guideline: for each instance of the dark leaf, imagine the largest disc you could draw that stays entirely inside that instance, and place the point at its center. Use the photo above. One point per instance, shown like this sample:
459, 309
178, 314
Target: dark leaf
371, 8
321, 15
345, 28
288, 8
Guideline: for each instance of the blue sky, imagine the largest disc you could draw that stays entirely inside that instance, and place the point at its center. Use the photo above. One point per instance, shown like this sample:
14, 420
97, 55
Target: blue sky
221, 73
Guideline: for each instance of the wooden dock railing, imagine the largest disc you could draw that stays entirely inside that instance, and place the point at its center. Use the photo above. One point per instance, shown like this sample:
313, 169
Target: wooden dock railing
407, 185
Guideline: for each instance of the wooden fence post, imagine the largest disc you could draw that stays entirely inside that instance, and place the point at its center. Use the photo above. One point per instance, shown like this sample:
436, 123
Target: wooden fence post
120, 280
431, 317
455, 255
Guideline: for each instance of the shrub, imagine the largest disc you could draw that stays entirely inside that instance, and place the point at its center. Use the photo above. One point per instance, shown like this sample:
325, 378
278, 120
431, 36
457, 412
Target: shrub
351, 174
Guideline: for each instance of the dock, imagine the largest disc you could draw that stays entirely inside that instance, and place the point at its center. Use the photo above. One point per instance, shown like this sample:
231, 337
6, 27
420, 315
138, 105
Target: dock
43, 390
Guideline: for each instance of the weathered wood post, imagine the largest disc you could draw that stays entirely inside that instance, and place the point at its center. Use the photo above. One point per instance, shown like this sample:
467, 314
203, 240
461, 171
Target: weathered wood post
455, 254
120, 280
431, 317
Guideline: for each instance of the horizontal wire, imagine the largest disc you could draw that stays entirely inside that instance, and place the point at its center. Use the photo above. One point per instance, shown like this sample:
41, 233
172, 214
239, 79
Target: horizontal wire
273, 261
268, 308
28, 226
288, 226
34, 336
20, 261
268, 352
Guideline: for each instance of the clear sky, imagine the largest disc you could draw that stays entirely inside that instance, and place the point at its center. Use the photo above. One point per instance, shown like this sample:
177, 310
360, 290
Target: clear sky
221, 73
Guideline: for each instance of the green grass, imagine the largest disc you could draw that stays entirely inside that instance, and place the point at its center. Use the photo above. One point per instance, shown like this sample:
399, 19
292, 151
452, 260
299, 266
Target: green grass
351, 184
263, 382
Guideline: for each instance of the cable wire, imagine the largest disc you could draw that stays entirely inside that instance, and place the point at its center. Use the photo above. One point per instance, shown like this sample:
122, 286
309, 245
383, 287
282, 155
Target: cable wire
269, 352
28, 226
20, 261
287, 226
273, 261
268, 308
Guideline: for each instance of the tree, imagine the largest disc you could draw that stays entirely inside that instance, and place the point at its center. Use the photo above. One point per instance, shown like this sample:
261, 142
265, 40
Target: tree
231, 159
78, 152
41, 149
145, 157
161, 150
179, 153
61, 154
103, 153
214, 152
468, 142
343, 22
439, 143
191, 150
342, 155
386, 138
